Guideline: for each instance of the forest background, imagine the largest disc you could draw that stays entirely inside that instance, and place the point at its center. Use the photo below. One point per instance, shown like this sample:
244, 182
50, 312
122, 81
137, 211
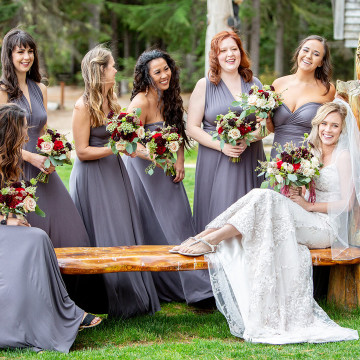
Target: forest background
270, 29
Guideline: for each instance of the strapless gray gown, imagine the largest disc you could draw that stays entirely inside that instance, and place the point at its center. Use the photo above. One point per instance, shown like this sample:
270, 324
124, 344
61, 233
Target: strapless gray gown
166, 217
62, 223
218, 181
35, 310
103, 195
292, 126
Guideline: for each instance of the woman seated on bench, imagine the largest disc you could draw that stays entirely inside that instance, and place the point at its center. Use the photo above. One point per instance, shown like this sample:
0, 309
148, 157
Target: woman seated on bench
35, 310
259, 260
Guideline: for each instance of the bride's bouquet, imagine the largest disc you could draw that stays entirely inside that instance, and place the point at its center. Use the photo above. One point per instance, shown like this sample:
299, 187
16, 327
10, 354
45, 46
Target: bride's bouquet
260, 102
56, 148
162, 144
126, 131
231, 128
19, 199
292, 167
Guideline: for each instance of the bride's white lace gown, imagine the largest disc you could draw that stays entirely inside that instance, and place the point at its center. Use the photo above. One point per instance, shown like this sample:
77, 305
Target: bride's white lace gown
262, 282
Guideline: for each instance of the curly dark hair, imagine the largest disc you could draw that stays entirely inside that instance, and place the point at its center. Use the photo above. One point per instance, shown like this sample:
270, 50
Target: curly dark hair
172, 104
9, 80
12, 139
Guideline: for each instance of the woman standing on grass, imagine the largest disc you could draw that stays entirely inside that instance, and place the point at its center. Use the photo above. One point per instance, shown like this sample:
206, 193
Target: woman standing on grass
20, 84
101, 189
36, 310
218, 181
164, 207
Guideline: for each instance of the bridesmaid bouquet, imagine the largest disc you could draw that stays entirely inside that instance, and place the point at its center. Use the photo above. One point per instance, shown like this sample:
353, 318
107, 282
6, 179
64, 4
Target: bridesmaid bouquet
56, 148
162, 144
19, 199
260, 102
292, 167
126, 130
231, 128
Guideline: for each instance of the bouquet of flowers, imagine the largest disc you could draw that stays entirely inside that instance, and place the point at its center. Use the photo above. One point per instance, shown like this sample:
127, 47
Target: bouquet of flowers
162, 144
231, 128
126, 130
19, 198
56, 148
292, 167
259, 102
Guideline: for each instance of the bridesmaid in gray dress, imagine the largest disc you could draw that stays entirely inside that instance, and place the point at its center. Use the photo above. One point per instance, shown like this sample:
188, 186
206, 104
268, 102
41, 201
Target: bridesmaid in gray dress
219, 182
36, 310
164, 207
20, 83
303, 92
101, 189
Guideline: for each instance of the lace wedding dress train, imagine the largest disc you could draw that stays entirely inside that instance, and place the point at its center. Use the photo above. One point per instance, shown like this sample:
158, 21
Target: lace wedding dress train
262, 281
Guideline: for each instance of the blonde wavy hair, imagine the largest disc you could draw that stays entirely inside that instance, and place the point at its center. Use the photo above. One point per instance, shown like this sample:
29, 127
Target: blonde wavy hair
92, 68
321, 114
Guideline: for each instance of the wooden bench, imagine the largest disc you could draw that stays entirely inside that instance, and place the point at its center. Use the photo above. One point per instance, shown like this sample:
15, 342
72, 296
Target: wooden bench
344, 282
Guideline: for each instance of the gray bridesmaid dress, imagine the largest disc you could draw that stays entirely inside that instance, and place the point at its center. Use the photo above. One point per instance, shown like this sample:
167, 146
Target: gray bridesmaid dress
62, 222
166, 217
218, 181
291, 126
102, 193
36, 311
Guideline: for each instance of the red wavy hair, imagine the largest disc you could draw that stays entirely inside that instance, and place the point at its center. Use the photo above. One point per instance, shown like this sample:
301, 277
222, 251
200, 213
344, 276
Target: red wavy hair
214, 73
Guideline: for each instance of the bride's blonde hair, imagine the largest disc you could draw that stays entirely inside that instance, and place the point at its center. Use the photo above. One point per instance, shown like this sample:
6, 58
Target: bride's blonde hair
92, 68
321, 114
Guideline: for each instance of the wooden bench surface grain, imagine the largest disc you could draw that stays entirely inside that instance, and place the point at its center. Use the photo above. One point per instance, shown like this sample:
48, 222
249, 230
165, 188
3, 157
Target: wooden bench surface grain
89, 260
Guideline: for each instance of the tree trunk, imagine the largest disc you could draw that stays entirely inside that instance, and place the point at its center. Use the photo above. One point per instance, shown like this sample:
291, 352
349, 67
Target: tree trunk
255, 38
217, 18
95, 24
279, 42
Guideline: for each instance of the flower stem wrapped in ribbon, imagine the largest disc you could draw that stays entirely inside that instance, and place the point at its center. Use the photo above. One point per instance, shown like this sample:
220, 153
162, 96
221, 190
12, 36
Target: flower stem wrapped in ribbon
56, 148
126, 131
19, 198
162, 144
292, 167
260, 102
231, 128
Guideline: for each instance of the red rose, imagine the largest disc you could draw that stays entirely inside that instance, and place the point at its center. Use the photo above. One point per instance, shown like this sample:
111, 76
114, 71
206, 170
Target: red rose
160, 150
260, 91
39, 142
58, 145
278, 164
157, 135
122, 115
220, 130
296, 166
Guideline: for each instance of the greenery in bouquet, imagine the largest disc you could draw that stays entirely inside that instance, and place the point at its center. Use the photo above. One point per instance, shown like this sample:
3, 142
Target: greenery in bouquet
56, 148
294, 166
231, 128
19, 198
260, 103
162, 145
126, 131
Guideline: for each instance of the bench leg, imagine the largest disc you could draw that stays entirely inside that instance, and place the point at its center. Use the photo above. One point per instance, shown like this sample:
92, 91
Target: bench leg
344, 285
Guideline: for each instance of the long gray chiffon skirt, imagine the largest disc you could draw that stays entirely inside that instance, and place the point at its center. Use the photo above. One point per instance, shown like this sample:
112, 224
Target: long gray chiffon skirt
35, 308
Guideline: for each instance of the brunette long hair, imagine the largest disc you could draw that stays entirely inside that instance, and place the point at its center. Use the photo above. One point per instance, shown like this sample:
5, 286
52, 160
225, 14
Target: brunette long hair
214, 73
12, 139
9, 80
92, 68
172, 103
322, 73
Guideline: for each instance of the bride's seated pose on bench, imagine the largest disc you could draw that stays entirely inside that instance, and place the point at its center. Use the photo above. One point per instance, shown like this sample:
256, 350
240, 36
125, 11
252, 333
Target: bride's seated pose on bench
258, 249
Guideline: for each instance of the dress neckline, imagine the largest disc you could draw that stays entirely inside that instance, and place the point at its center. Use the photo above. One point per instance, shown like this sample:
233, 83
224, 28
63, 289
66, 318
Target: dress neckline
228, 90
308, 103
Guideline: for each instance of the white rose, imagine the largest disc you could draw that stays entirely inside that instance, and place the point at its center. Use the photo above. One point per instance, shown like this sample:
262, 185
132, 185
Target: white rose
120, 146
308, 172
287, 167
234, 134
252, 100
140, 132
279, 179
29, 204
305, 164
260, 103
173, 146
271, 103
46, 147
315, 162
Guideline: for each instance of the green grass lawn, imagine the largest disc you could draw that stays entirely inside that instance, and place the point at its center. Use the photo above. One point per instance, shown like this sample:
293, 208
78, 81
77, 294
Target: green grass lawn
182, 332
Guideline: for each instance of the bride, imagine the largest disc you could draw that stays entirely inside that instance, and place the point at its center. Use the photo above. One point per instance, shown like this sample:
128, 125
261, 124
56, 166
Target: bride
258, 249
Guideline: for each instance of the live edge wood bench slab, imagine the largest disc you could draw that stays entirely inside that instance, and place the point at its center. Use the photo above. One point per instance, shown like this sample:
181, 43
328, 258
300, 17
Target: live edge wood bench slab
344, 282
